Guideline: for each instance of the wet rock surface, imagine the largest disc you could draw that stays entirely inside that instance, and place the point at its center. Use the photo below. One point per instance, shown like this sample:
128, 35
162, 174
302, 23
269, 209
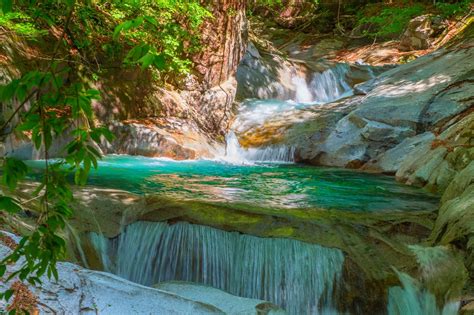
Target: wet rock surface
174, 139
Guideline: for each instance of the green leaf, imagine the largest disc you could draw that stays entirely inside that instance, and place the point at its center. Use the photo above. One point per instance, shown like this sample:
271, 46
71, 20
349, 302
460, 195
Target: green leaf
146, 61
94, 151
8, 90
151, 20
8, 294
93, 94
80, 177
7, 6
55, 272
9, 205
160, 62
13, 171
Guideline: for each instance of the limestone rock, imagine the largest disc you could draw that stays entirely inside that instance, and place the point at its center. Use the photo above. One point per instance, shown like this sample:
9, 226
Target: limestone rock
355, 140
224, 38
429, 94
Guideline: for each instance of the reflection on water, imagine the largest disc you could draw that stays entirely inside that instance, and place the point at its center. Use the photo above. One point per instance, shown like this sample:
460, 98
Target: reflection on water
269, 185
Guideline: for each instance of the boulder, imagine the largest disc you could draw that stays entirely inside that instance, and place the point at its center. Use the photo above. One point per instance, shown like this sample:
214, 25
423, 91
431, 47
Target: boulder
265, 76
418, 33
436, 165
391, 160
355, 140
228, 303
175, 138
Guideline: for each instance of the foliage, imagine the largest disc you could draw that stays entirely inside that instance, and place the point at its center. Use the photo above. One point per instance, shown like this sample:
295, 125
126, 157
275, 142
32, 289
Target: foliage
447, 9
164, 42
20, 23
56, 98
384, 20
389, 21
274, 7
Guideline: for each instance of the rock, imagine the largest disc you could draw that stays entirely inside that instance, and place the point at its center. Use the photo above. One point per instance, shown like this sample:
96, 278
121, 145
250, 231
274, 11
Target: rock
455, 222
417, 34
179, 140
356, 140
401, 96
436, 165
227, 303
426, 95
391, 160
442, 271
224, 42
82, 291
265, 76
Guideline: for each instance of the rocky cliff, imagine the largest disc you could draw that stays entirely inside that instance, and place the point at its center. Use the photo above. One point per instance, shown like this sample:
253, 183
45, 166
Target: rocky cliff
186, 119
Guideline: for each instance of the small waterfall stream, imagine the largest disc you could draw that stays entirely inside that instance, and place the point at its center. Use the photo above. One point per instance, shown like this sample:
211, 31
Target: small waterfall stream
298, 276
324, 87
330, 85
270, 154
410, 299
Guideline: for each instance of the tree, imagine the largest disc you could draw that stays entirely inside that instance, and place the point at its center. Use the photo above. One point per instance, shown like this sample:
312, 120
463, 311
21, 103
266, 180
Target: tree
56, 98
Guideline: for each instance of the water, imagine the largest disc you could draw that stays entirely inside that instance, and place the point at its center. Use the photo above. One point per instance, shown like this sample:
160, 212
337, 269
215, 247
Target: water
324, 87
267, 185
299, 277
327, 86
303, 93
412, 299
331, 84
270, 154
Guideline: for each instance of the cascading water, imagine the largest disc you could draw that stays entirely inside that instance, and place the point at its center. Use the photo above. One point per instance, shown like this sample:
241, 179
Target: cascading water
298, 276
410, 299
271, 154
303, 93
324, 87
330, 85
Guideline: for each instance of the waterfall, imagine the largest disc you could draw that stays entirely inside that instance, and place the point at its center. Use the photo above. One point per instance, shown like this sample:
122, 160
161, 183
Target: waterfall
324, 87
298, 276
303, 94
331, 84
273, 154
410, 299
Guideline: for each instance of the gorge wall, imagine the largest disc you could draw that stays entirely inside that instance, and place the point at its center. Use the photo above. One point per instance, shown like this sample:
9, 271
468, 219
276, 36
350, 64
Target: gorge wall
183, 120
